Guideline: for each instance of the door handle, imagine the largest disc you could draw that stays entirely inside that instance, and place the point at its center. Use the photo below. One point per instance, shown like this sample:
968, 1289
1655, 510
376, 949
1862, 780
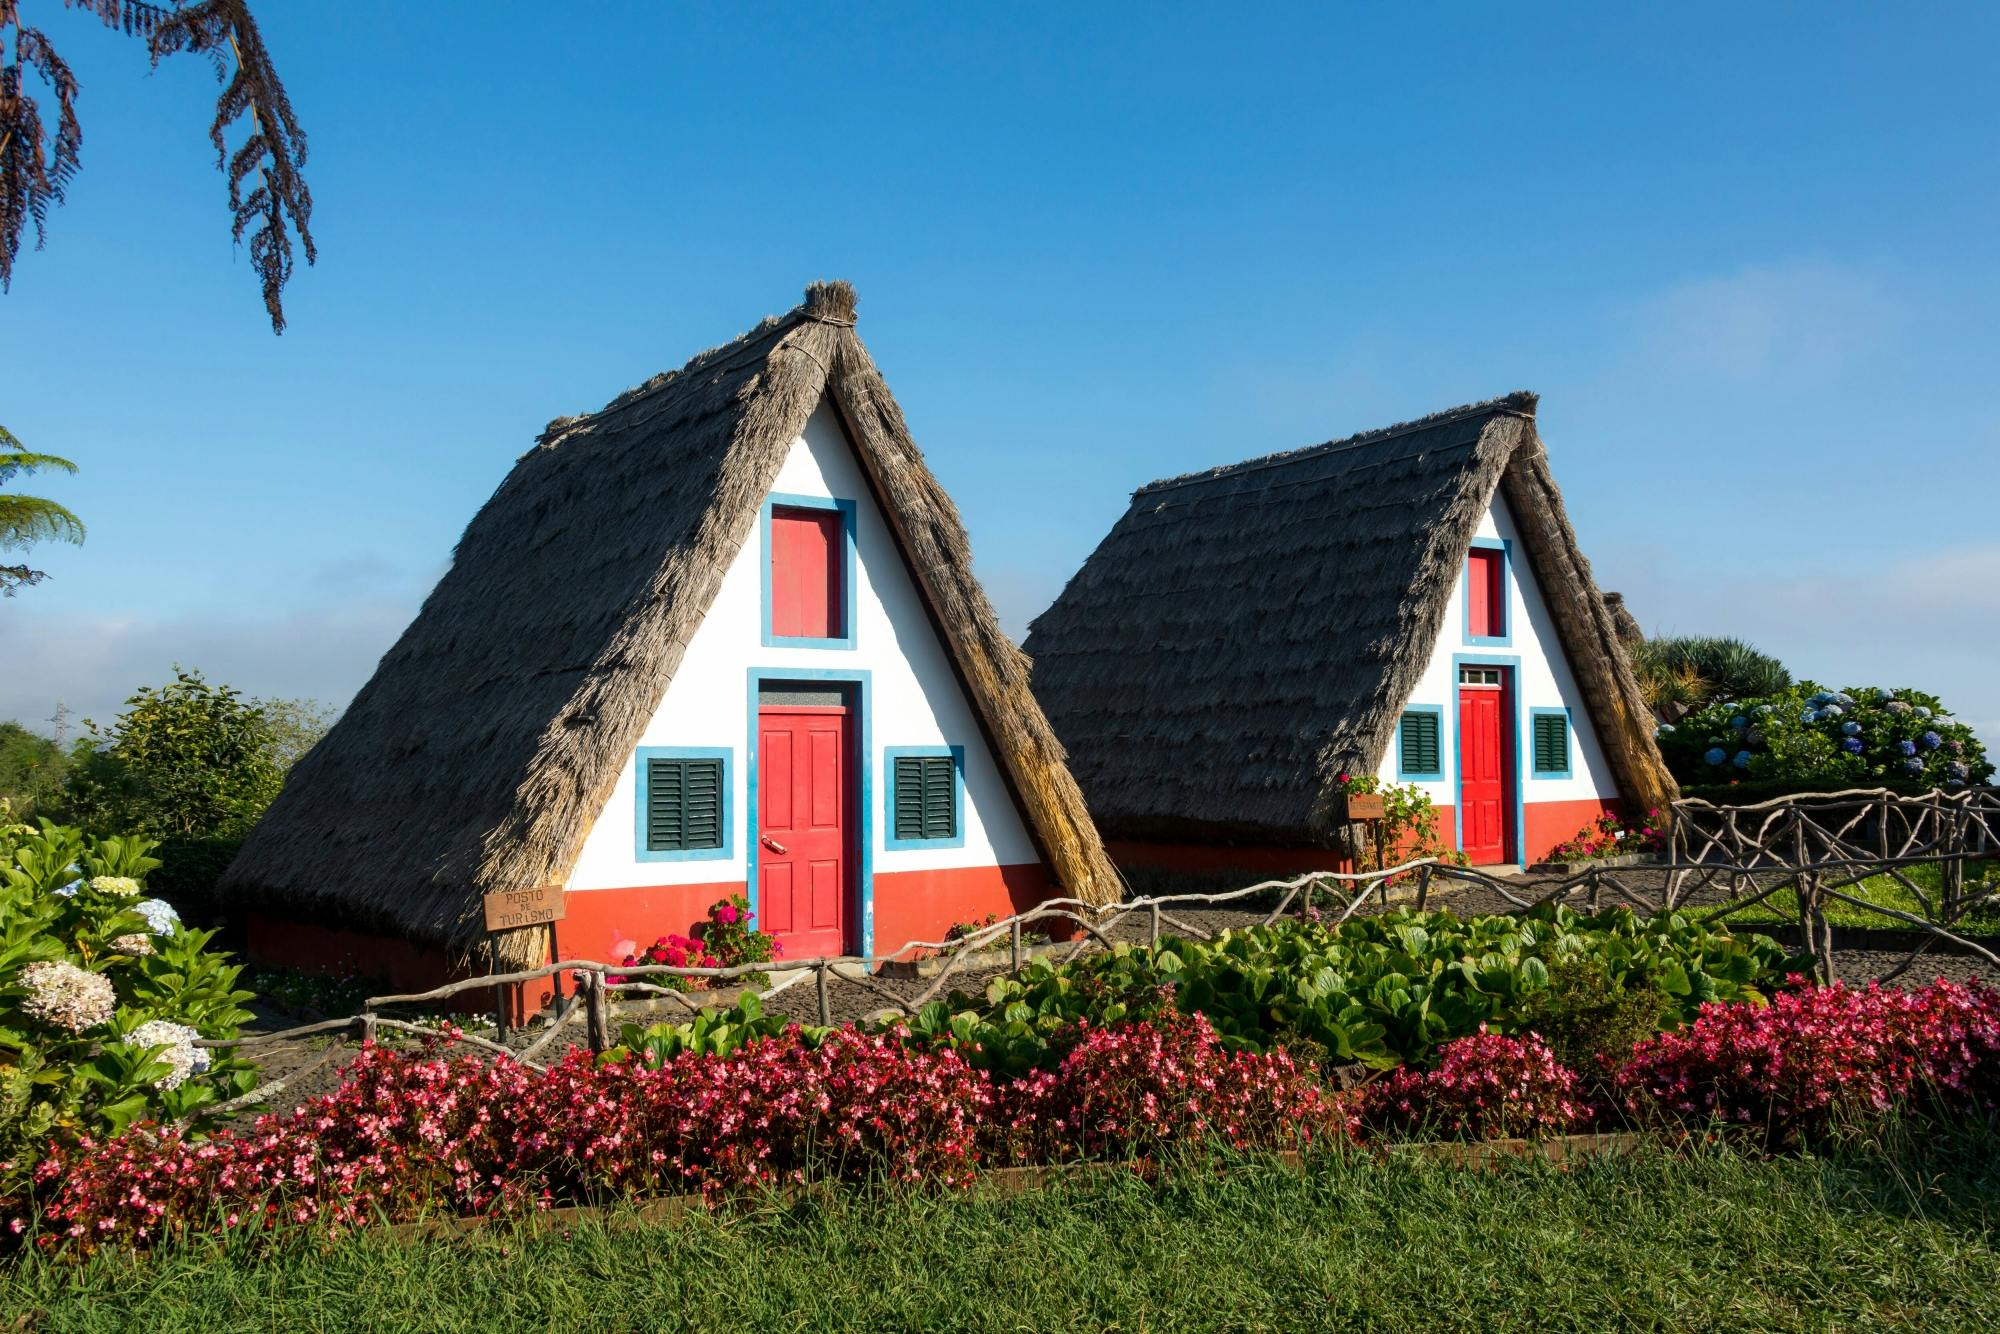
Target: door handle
773, 844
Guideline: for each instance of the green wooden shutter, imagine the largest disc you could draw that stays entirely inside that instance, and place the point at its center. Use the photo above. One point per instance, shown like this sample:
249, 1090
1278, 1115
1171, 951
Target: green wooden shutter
926, 788
683, 805
1421, 745
1551, 743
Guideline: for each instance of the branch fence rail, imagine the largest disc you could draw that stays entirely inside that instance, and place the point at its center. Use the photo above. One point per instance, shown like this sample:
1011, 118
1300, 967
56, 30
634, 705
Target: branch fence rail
1721, 861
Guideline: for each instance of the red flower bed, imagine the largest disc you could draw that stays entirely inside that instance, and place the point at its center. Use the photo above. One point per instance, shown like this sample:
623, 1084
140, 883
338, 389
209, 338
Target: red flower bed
1484, 1087
1817, 1055
1134, 1087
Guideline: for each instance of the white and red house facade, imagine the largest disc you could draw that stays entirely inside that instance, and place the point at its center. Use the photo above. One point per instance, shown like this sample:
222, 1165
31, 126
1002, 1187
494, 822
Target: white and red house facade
814, 752
1495, 732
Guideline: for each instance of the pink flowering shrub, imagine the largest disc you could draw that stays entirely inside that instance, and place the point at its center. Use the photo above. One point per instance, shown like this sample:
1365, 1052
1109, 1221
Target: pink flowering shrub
776, 1110
1135, 1087
453, 1133
1485, 1086
401, 1134
1819, 1056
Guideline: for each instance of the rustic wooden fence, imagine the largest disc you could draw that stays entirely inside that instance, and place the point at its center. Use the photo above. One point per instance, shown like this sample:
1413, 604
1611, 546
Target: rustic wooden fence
1722, 862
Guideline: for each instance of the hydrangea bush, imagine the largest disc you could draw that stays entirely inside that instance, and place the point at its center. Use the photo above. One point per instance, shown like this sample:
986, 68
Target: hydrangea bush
103, 995
1811, 739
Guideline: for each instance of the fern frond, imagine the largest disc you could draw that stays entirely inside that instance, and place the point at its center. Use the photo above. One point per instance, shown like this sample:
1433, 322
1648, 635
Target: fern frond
25, 520
275, 149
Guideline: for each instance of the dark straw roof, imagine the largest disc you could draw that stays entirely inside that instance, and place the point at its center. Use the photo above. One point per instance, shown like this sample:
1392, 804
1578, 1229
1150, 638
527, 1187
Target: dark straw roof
1244, 634
488, 740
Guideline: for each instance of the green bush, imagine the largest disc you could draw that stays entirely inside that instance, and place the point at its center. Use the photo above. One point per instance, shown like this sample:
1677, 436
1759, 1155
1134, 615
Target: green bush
1809, 739
102, 995
1585, 1013
1378, 990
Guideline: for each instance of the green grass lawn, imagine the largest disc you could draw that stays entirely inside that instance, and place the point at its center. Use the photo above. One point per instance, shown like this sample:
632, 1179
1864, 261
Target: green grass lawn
1711, 1240
1784, 905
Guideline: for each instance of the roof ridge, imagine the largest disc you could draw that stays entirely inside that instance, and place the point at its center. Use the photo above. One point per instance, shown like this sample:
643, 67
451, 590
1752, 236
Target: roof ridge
1520, 403
711, 356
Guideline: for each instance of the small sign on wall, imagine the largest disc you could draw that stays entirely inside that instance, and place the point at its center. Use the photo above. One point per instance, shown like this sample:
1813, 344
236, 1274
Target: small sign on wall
1365, 806
507, 909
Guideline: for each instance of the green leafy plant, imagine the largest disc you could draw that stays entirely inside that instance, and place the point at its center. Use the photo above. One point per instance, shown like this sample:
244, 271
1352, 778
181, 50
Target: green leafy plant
1408, 828
1585, 1013
103, 994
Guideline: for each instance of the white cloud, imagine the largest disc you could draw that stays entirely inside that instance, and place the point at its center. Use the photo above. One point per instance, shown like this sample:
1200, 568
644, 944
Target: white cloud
93, 663
1796, 320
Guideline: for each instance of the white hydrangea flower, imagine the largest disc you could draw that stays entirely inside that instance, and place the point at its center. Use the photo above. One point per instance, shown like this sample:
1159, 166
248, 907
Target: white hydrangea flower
136, 943
66, 996
124, 886
159, 915
183, 1058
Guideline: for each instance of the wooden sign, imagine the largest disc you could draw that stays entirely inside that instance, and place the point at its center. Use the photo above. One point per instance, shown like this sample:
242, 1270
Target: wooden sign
510, 908
1364, 806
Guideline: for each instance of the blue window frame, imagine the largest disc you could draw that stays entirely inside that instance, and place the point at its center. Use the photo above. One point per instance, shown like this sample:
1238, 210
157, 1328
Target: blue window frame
1420, 743
913, 797
1506, 594
682, 828
1550, 742
847, 510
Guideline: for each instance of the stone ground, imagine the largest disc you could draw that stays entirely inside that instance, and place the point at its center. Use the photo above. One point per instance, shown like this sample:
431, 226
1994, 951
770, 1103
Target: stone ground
849, 1000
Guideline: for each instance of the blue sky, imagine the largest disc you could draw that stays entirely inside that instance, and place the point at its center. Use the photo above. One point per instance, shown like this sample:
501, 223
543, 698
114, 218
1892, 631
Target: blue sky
1746, 254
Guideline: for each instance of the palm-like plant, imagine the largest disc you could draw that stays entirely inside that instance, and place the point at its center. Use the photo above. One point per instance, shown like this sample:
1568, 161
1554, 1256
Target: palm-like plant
26, 520
1681, 674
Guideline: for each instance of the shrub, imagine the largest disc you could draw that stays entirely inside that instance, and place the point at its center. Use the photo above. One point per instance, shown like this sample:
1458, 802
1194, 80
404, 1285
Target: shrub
107, 993
1137, 1087
1588, 1017
1809, 739
1485, 1086
727, 934
1378, 990
1820, 1057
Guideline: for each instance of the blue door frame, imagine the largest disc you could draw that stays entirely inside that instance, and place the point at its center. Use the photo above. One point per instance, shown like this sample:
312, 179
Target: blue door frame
1515, 715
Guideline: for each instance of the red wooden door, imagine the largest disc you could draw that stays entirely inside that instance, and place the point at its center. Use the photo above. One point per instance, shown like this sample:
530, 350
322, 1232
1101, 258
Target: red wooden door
804, 823
1485, 764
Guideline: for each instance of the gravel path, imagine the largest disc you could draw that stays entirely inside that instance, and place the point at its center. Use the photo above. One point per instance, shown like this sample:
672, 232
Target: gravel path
849, 1000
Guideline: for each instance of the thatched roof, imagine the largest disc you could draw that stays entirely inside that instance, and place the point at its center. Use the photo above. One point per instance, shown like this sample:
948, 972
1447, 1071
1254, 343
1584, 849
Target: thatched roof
1244, 634
489, 739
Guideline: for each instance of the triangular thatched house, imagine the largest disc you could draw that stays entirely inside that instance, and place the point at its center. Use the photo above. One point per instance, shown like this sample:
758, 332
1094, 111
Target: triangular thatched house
721, 636
1409, 602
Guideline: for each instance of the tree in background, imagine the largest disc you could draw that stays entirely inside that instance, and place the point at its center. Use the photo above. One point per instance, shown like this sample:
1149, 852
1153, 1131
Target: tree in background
1680, 674
26, 520
184, 759
37, 166
295, 725
32, 770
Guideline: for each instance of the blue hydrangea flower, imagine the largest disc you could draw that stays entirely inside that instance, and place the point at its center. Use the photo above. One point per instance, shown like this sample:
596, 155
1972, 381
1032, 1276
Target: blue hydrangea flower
1850, 729
1922, 712
1932, 741
1739, 722
1852, 745
69, 891
1818, 697
1716, 755
1664, 729
1742, 760
159, 915
1907, 747
1959, 770
1761, 710
1843, 698
1831, 711
1913, 766
1809, 716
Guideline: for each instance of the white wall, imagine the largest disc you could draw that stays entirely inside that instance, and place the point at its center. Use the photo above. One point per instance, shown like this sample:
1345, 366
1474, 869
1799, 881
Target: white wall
1542, 680
916, 700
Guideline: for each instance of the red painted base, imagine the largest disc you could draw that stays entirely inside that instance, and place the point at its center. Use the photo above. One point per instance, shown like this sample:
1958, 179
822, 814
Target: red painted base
605, 925
1547, 823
